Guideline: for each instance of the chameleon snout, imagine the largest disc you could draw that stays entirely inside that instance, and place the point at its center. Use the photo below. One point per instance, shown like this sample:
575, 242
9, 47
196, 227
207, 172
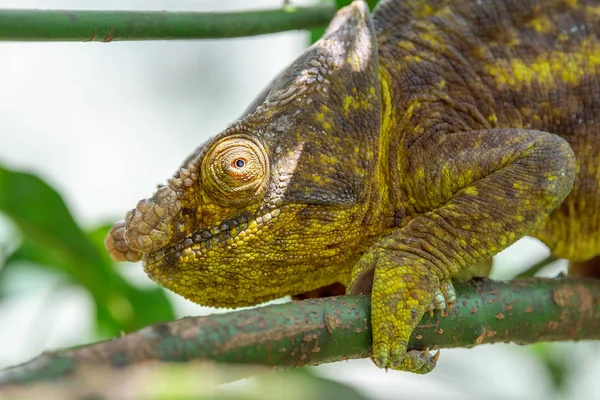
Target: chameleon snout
151, 226
117, 247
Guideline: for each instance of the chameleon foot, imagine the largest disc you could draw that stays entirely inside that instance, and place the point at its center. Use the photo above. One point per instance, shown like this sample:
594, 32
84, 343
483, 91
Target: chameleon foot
402, 292
444, 298
420, 362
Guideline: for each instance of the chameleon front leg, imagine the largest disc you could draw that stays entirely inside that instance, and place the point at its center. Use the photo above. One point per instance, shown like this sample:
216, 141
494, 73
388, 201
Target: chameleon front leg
475, 193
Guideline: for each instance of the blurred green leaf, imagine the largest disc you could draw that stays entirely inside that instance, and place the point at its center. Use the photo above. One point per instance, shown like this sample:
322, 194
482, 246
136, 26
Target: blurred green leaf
316, 33
52, 238
343, 3
295, 384
320, 387
96, 235
556, 367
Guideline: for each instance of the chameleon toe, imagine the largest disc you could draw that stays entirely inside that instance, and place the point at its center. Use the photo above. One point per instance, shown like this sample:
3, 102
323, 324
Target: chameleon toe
419, 361
447, 289
439, 302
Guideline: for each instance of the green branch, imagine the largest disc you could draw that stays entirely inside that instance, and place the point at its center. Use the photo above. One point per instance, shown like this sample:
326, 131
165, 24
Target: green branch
106, 26
317, 331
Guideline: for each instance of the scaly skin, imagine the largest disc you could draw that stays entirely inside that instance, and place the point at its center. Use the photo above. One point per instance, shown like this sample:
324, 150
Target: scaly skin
392, 155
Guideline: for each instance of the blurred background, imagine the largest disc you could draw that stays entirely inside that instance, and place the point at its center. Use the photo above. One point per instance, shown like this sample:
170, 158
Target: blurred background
102, 124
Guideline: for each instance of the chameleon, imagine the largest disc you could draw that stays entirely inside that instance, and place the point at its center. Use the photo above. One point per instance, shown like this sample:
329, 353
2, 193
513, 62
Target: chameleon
399, 150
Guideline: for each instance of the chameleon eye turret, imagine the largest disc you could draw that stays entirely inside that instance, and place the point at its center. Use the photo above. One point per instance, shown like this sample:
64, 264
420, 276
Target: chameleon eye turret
235, 170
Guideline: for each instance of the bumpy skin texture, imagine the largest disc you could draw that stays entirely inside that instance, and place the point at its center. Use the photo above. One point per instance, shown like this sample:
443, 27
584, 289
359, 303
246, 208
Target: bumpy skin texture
392, 155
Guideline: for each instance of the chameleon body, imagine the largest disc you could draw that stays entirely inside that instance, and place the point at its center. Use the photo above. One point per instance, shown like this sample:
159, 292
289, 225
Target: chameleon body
394, 153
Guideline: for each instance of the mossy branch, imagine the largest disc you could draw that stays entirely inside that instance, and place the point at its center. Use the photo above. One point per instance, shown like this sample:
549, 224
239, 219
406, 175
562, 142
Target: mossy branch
317, 331
107, 26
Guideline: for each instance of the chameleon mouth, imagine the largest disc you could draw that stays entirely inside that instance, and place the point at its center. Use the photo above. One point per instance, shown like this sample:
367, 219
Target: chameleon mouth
227, 236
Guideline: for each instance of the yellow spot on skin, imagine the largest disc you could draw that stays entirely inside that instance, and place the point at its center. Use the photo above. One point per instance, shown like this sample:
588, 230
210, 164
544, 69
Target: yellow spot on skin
592, 10
425, 11
325, 118
411, 58
406, 45
568, 67
542, 24
347, 102
410, 110
432, 38
471, 190
359, 101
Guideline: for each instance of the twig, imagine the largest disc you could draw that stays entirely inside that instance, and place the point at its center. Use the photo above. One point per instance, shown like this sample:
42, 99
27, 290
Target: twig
531, 271
317, 331
107, 26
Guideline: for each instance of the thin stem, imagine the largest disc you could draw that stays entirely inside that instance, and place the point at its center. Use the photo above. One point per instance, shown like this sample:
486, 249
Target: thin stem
107, 26
531, 271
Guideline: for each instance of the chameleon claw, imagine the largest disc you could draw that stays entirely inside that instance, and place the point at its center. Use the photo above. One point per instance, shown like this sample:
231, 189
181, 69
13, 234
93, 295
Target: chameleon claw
381, 362
439, 301
448, 292
436, 356
430, 313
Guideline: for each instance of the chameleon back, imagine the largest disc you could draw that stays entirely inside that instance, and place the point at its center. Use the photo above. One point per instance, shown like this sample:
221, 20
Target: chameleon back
506, 64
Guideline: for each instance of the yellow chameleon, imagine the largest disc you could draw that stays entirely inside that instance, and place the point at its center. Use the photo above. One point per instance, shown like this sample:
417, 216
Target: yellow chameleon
397, 151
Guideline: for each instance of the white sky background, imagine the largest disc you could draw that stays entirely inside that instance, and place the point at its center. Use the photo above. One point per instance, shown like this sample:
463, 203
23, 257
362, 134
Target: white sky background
104, 123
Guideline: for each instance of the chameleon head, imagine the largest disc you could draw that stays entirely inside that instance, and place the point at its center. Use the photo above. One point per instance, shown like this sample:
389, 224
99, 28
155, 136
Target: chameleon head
275, 204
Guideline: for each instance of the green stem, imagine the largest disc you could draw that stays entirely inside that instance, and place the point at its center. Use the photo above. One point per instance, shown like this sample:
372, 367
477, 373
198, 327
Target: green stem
317, 331
106, 26
531, 271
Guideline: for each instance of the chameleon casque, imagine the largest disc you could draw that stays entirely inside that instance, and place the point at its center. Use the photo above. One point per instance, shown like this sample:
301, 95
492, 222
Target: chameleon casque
397, 151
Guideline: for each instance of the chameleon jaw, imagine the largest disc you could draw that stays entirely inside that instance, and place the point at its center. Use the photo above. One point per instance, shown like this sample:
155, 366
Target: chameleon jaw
225, 237
222, 266
246, 260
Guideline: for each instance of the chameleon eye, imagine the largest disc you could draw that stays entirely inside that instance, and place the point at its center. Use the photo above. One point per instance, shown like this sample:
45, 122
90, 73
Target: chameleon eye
235, 168
239, 163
